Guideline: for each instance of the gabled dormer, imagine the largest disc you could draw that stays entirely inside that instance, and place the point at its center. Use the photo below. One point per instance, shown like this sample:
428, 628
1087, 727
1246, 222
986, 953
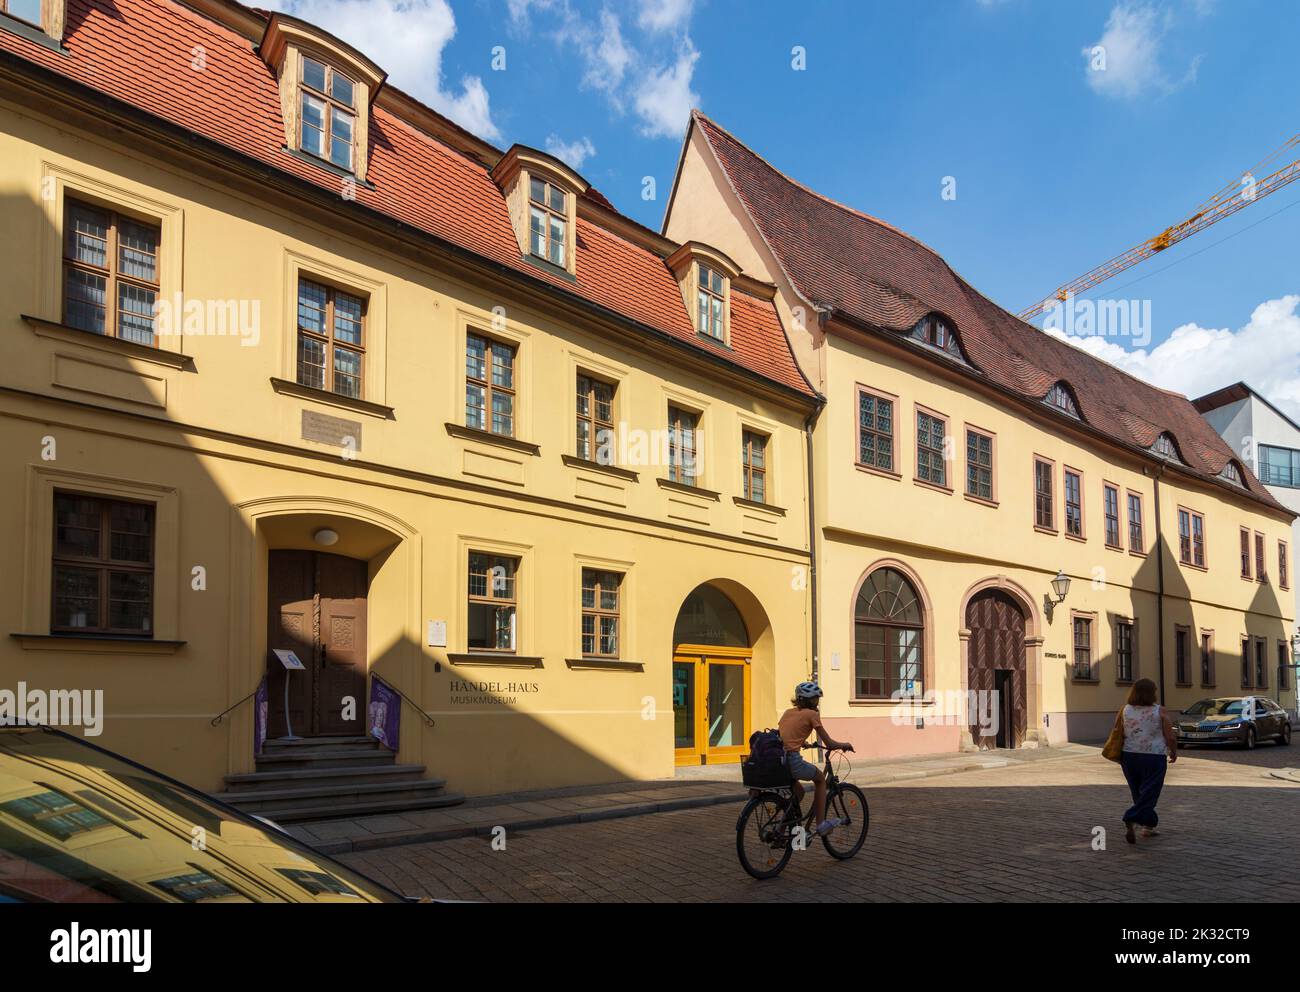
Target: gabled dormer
1166, 446
326, 90
704, 275
542, 195
1061, 398
937, 332
38, 20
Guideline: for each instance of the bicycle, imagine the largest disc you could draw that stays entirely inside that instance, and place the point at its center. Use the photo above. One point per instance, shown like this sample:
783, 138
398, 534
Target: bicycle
765, 830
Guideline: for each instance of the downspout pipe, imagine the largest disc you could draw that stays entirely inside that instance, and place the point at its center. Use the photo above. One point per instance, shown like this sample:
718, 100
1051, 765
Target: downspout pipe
815, 642
1160, 586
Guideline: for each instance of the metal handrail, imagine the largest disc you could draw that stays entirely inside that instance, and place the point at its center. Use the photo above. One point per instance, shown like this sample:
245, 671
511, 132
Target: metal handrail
427, 718
218, 718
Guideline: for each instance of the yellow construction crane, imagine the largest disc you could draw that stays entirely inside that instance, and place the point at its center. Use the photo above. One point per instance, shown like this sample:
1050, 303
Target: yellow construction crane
1228, 200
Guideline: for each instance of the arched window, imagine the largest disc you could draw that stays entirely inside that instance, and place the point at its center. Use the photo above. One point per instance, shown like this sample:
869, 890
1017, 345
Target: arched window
888, 628
1060, 397
935, 332
1232, 473
709, 617
1166, 447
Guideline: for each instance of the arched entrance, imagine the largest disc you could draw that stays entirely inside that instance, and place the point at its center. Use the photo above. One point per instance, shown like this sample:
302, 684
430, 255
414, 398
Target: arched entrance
996, 669
712, 656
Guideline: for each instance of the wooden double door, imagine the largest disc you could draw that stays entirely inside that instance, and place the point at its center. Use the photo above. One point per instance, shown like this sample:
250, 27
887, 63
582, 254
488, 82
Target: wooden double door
316, 606
996, 666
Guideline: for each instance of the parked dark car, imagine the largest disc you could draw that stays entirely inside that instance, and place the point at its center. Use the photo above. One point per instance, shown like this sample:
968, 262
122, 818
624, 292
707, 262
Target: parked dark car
1240, 720
80, 824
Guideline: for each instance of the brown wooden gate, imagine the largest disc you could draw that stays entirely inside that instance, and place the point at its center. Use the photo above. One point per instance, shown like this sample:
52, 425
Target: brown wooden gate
997, 643
316, 606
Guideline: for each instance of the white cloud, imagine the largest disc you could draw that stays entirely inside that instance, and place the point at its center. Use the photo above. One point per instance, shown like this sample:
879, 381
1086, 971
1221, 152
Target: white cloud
407, 39
573, 153
664, 15
1126, 62
664, 97
1196, 360
607, 54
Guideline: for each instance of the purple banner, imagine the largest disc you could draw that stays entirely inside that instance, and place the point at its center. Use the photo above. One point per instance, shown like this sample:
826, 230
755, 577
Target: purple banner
260, 703
385, 713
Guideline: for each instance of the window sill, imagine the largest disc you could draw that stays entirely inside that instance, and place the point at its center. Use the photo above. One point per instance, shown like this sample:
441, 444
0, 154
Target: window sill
750, 504
604, 665
329, 167
558, 271
1115, 547
1124, 682
1081, 538
1182, 685
1085, 681
31, 32
75, 335
710, 339
1046, 530
932, 485
472, 658
487, 437
299, 391
681, 487
883, 473
96, 643
1137, 554
981, 500
573, 461
903, 700
1194, 567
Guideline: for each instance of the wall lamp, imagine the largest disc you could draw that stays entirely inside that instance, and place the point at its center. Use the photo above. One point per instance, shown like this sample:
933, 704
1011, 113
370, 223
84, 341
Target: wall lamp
1061, 589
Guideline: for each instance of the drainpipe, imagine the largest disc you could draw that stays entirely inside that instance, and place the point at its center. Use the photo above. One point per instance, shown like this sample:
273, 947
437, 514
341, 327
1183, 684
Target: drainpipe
1160, 587
809, 423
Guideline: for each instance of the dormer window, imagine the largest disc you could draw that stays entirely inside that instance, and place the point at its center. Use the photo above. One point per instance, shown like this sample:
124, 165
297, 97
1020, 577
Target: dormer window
326, 89
548, 221
935, 332
705, 276
1232, 473
328, 118
24, 10
1167, 448
712, 302
1060, 398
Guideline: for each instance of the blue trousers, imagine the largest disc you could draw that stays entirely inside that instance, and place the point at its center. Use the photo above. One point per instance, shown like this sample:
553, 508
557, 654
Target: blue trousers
1146, 777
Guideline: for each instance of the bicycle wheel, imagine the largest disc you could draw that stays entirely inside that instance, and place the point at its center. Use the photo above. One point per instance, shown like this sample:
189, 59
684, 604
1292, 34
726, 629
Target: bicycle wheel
848, 804
762, 836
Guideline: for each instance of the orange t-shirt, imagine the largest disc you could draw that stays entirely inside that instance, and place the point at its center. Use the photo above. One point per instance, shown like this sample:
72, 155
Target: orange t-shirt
795, 725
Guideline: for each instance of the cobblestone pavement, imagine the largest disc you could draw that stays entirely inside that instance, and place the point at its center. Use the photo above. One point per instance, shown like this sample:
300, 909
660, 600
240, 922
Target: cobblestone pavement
1024, 832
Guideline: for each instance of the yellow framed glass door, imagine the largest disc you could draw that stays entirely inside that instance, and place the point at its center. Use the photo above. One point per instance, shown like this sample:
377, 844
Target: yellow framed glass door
710, 704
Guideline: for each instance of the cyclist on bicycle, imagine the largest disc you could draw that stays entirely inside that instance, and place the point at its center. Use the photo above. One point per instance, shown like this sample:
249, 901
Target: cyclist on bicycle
794, 727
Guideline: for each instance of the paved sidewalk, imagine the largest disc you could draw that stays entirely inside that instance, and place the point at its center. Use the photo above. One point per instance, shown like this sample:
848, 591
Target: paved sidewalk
691, 787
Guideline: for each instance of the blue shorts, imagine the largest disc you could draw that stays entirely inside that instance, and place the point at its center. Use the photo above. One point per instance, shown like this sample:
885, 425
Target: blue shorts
799, 769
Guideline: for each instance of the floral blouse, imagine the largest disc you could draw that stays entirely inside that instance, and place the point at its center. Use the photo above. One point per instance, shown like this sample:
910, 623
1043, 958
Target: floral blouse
1143, 730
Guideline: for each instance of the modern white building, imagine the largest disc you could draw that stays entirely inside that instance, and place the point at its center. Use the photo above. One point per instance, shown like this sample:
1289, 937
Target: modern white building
1268, 441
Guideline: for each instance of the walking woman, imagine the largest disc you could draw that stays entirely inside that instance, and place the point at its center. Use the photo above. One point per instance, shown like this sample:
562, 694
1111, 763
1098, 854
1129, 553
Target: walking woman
1150, 744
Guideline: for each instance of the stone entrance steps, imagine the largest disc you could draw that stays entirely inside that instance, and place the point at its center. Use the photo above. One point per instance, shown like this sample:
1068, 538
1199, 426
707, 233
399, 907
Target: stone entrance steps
320, 778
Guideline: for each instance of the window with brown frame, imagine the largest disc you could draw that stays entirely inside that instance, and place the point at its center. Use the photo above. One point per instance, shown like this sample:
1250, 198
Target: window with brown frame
1198, 540
1083, 649
327, 126
1136, 536
490, 387
1283, 666
712, 303
1110, 511
600, 613
331, 338
931, 465
888, 637
595, 420
1261, 664
1191, 538
492, 619
102, 566
24, 10
1245, 662
1044, 498
979, 464
1124, 651
1245, 554
1073, 503
1207, 659
1261, 562
548, 221
875, 431
753, 454
1283, 566
110, 273
682, 445
1182, 656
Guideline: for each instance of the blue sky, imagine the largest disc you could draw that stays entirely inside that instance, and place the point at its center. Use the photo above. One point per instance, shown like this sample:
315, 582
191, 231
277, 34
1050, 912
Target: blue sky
1057, 165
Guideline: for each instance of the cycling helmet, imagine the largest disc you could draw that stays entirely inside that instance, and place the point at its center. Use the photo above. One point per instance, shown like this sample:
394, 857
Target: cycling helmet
807, 690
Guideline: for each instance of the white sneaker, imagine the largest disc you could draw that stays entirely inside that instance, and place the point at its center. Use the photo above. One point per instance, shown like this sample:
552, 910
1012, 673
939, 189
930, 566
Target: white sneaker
826, 826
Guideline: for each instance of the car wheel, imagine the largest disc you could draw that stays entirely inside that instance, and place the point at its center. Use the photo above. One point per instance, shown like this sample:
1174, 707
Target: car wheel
1284, 738
1248, 742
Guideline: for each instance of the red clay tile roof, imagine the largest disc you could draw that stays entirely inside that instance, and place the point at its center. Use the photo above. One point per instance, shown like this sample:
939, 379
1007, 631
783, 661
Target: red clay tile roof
140, 52
874, 274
